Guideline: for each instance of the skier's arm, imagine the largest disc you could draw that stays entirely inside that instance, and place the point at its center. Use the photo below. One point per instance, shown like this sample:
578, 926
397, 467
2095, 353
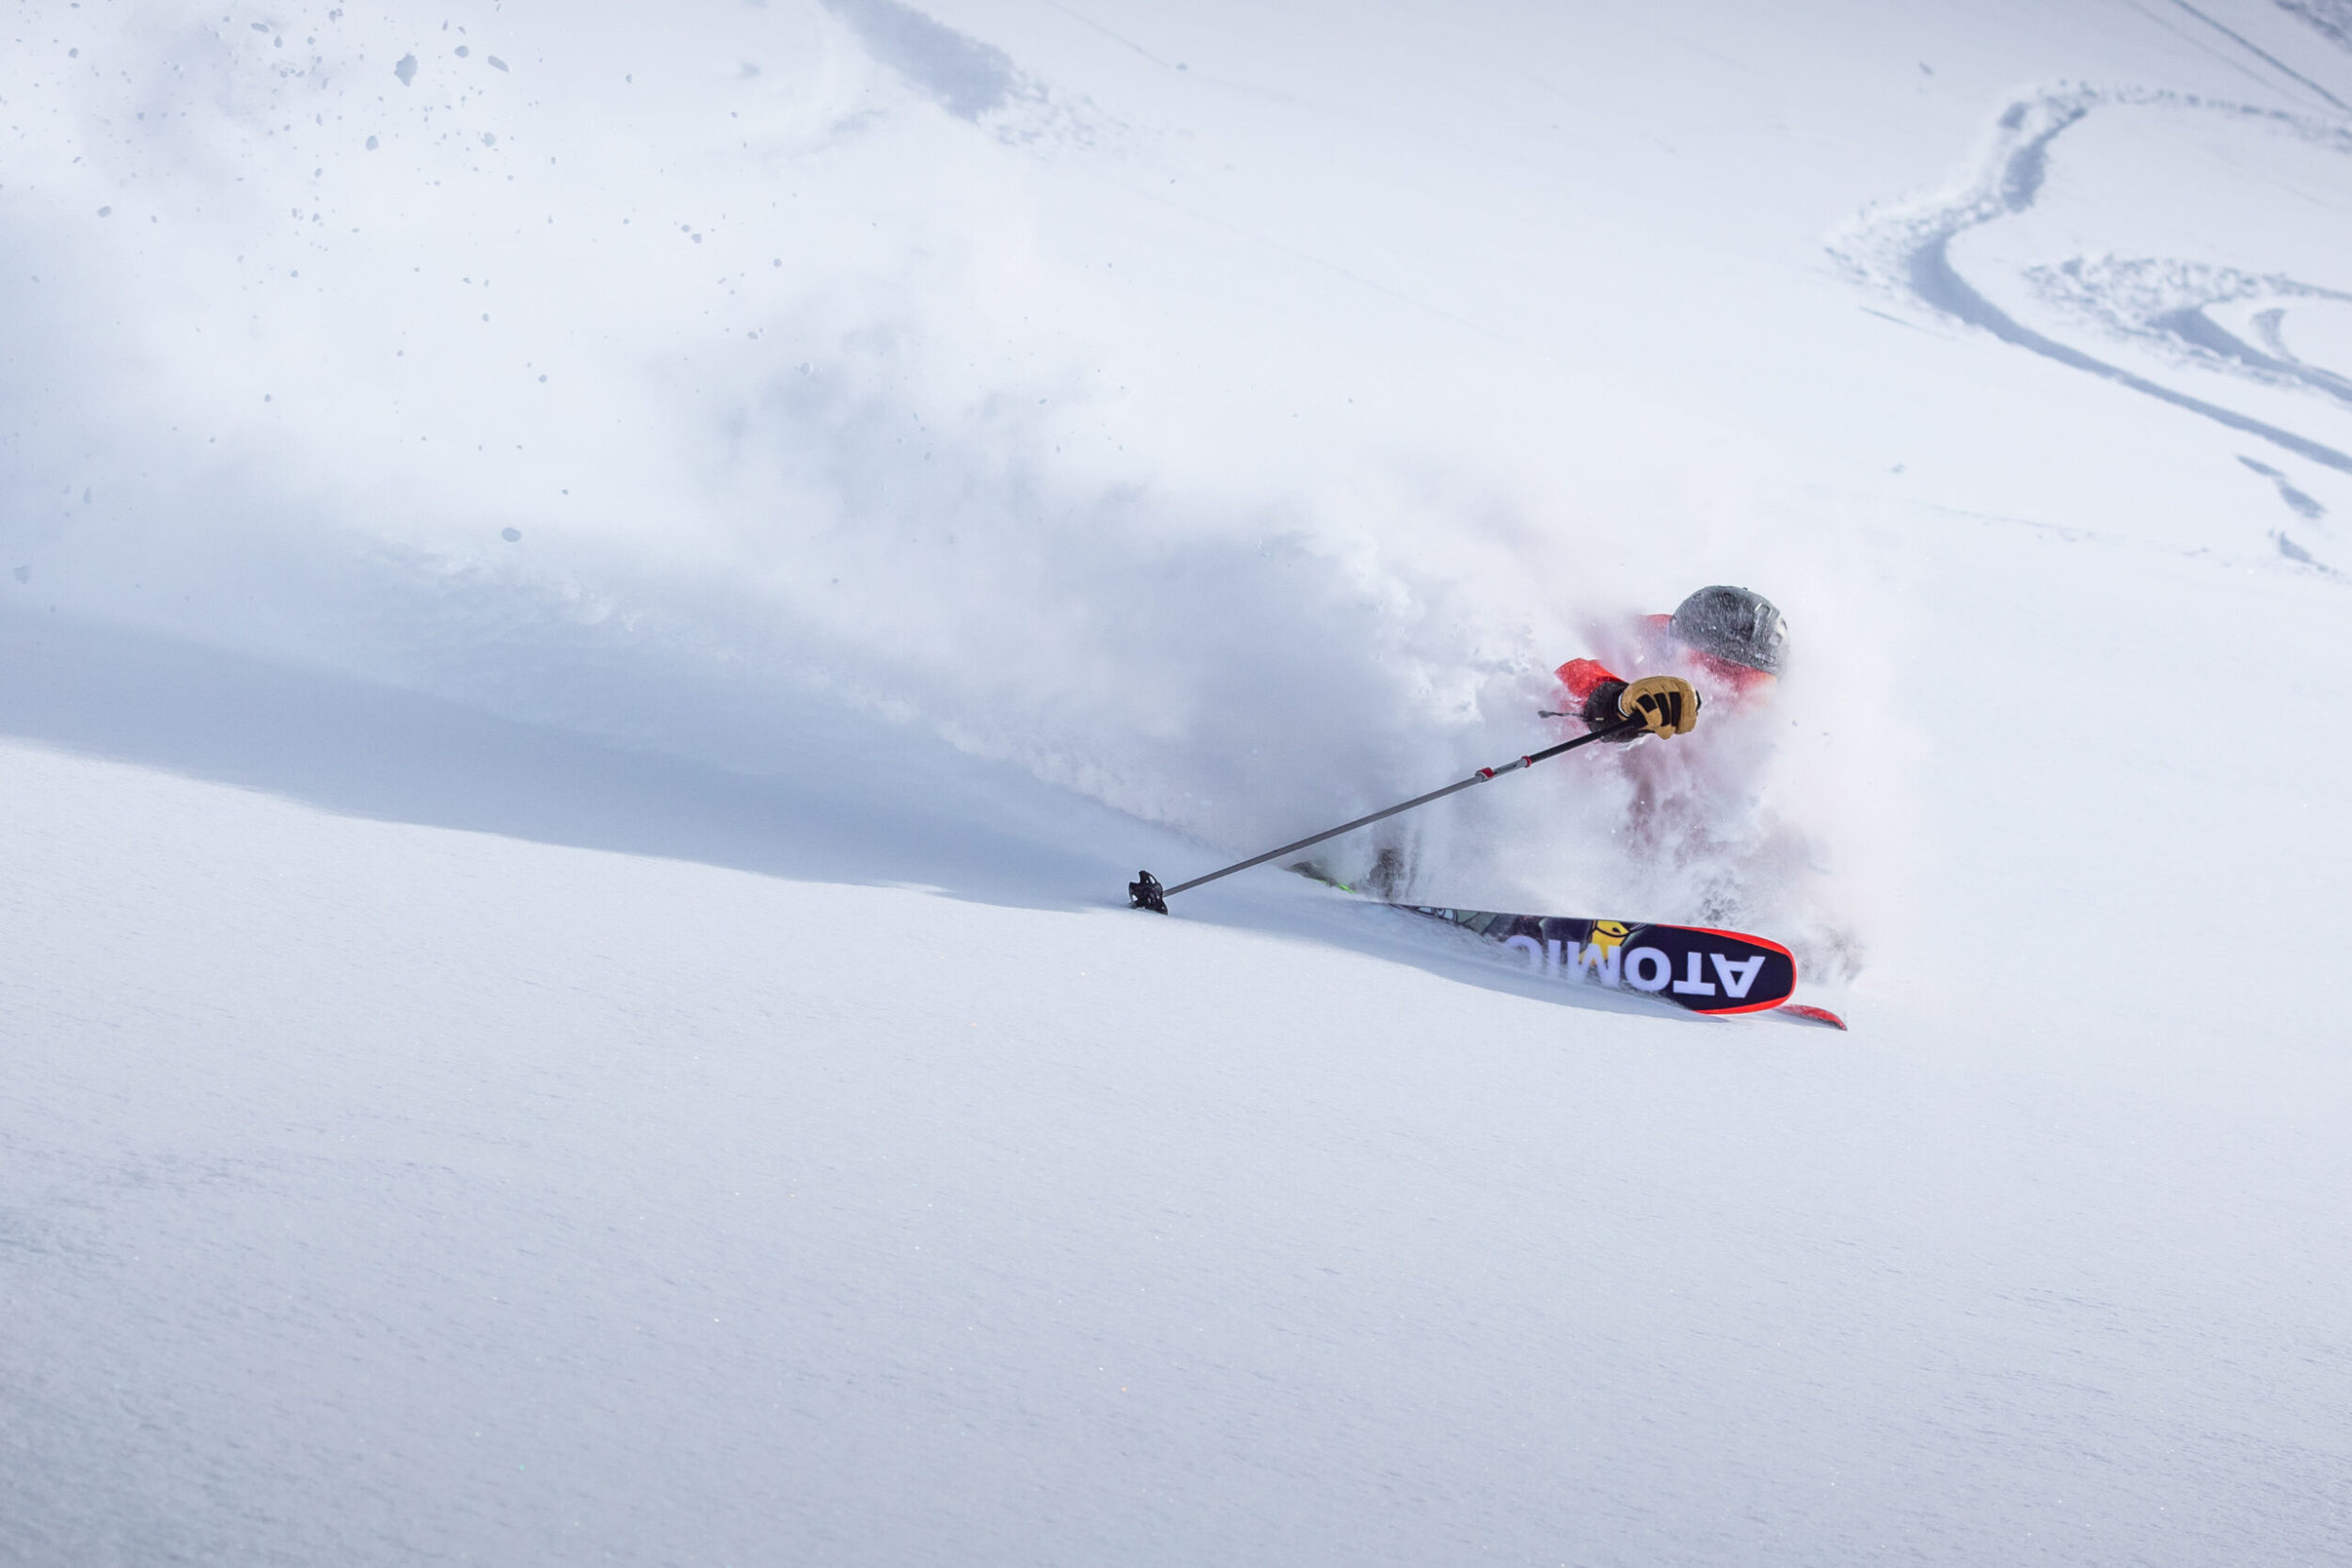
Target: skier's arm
1581, 675
1666, 704
1593, 691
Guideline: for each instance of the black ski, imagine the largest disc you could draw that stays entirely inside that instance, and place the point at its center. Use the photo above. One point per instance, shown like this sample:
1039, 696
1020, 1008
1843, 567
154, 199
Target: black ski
1695, 966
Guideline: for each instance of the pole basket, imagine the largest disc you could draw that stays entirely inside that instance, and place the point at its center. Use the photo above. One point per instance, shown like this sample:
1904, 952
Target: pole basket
1145, 892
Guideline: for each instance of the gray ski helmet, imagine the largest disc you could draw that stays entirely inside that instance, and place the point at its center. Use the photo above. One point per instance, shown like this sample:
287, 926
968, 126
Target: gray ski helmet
1733, 624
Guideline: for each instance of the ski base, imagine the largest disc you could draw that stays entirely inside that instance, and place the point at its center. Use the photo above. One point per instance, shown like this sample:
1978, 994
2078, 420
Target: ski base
1695, 967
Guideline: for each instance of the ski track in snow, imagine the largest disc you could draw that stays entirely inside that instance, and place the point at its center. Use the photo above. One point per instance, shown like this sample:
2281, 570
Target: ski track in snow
2265, 56
2330, 19
1911, 246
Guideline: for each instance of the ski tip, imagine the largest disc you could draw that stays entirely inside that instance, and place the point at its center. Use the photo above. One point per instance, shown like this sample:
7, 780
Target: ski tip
1798, 1012
1145, 892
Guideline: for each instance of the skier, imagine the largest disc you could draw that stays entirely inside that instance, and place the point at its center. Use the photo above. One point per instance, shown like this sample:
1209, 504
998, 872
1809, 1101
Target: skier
1690, 817
1727, 642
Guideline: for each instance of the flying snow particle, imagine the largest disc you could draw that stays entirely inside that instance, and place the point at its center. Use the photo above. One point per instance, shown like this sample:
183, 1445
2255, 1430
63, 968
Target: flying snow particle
405, 70
510, 534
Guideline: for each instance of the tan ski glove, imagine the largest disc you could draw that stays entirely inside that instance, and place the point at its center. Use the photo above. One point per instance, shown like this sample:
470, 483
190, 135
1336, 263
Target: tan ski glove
1666, 704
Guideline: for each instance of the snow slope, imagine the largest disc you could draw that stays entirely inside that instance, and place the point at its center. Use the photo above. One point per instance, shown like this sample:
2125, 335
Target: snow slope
601, 603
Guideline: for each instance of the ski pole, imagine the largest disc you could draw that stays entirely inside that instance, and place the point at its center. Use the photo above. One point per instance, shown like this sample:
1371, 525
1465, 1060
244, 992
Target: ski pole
1147, 894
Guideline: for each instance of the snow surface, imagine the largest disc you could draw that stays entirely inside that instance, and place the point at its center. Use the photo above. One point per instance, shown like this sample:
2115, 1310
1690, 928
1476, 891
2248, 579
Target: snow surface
600, 602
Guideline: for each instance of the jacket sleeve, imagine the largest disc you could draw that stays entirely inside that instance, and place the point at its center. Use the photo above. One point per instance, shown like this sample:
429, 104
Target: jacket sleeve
1582, 676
